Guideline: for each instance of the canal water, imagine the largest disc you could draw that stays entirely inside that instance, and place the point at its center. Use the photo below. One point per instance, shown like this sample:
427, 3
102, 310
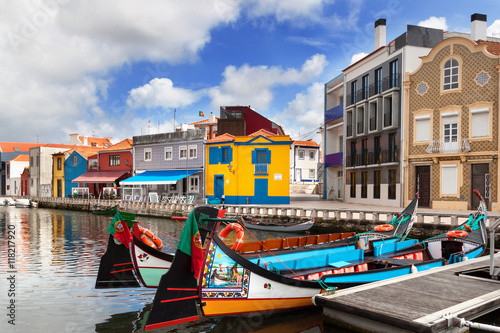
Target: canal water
48, 265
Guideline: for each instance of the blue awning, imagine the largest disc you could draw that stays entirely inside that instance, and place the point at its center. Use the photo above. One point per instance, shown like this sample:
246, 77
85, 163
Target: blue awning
158, 177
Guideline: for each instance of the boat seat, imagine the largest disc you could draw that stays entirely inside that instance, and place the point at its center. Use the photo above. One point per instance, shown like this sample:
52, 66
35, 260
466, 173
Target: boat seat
288, 273
398, 262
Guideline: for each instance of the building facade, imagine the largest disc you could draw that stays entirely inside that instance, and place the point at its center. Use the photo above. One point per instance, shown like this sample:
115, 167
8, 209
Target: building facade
453, 121
169, 164
373, 115
304, 161
250, 169
14, 169
333, 139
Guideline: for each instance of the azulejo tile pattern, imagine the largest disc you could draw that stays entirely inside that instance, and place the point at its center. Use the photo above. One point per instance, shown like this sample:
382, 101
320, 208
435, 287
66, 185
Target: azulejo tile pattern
479, 83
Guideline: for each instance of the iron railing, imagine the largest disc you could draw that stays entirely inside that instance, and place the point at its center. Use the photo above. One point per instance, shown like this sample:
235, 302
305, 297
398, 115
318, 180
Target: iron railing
442, 147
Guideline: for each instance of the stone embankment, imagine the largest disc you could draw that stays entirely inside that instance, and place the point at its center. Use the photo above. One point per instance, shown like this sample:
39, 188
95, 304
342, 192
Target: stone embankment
427, 224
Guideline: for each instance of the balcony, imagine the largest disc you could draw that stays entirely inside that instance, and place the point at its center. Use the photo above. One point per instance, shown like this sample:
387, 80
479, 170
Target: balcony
373, 123
442, 147
388, 82
334, 113
260, 168
361, 127
387, 119
334, 159
376, 157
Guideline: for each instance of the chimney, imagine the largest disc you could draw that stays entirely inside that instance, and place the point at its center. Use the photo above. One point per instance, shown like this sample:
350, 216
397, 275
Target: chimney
379, 33
211, 118
478, 26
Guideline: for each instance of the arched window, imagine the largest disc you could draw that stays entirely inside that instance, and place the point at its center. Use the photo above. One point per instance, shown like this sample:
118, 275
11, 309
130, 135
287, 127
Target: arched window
450, 74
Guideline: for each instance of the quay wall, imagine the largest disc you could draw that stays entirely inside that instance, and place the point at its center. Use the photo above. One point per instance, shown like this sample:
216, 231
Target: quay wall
326, 220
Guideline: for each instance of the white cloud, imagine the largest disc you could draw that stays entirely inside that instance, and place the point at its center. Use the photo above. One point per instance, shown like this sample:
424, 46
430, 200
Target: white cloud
252, 85
304, 114
287, 10
357, 57
494, 29
434, 22
160, 93
57, 56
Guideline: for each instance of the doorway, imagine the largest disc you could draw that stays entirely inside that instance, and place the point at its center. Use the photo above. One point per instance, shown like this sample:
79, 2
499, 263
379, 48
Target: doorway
480, 180
219, 186
423, 185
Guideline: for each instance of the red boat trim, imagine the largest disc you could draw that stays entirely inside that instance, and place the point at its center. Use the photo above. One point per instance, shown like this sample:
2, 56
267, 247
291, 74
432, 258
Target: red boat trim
125, 263
186, 289
178, 299
121, 270
153, 267
169, 323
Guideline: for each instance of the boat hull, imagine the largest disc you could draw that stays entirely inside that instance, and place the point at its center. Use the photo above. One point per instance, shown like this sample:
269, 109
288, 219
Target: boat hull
150, 264
280, 228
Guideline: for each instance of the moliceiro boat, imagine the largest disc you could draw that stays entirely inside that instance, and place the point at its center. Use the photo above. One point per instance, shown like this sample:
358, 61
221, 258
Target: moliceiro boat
144, 261
289, 227
232, 282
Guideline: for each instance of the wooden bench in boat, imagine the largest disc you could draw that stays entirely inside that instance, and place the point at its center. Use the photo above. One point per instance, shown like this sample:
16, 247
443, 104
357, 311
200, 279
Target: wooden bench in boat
292, 242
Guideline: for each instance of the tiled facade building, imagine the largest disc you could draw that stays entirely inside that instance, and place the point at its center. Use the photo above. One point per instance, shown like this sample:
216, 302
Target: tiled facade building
452, 122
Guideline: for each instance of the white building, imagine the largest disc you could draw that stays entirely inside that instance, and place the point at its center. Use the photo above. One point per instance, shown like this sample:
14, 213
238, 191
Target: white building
304, 159
373, 115
14, 169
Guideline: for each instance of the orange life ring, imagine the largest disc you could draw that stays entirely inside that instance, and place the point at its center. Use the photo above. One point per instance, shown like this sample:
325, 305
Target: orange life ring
467, 227
240, 235
150, 239
457, 233
384, 227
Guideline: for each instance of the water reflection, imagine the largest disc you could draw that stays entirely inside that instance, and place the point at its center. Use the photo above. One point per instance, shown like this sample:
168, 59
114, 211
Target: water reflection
57, 258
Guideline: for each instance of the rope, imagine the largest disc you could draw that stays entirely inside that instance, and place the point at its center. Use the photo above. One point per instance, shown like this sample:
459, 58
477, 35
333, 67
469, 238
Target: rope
328, 289
158, 231
174, 218
265, 248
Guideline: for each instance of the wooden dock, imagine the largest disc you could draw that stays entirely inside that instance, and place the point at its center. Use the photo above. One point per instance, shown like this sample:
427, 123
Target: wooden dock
425, 301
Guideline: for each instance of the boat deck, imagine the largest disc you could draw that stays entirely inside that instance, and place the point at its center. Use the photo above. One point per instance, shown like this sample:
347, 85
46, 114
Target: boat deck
420, 302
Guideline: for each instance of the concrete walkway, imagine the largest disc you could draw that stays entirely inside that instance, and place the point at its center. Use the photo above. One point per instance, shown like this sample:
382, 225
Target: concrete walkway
308, 201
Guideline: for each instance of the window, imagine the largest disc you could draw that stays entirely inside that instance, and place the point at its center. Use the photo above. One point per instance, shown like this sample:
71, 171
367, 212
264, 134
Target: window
31, 160
147, 154
480, 122
394, 74
8, 170
354, 90
364, 151
392, 184
393, 147
114, 160
353, 153
422, 128
311, 174
353, 185
341, 143
450, 132
378, 81
37, 160
194, 182
366, 86
449, 179
75, 160
301, 154
261, 158
364, 184
312, 154
192, 152
377, 158
168, 153
226, 155
182, 152
450, 74
59, 164
376, 184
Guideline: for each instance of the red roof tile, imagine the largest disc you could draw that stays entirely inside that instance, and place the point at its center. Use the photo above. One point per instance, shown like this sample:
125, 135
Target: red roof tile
308, 143
491, 47
222, 138
263, 132
21, 158
10, 147
122, 145
204, 121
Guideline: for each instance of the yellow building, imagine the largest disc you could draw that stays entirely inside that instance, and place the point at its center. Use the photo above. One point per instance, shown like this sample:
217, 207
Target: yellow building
250, 169
58, 175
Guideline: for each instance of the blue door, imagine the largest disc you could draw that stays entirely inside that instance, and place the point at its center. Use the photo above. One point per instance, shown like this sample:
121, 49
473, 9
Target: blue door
219, 186
261, 191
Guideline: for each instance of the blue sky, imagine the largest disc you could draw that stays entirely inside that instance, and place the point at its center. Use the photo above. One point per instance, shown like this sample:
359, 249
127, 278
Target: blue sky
110, 68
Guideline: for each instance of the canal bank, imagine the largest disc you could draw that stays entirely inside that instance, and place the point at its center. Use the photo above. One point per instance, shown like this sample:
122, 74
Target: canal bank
329, 216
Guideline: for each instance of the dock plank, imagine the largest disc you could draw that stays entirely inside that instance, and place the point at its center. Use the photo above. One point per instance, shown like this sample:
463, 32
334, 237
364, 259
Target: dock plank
417, 302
